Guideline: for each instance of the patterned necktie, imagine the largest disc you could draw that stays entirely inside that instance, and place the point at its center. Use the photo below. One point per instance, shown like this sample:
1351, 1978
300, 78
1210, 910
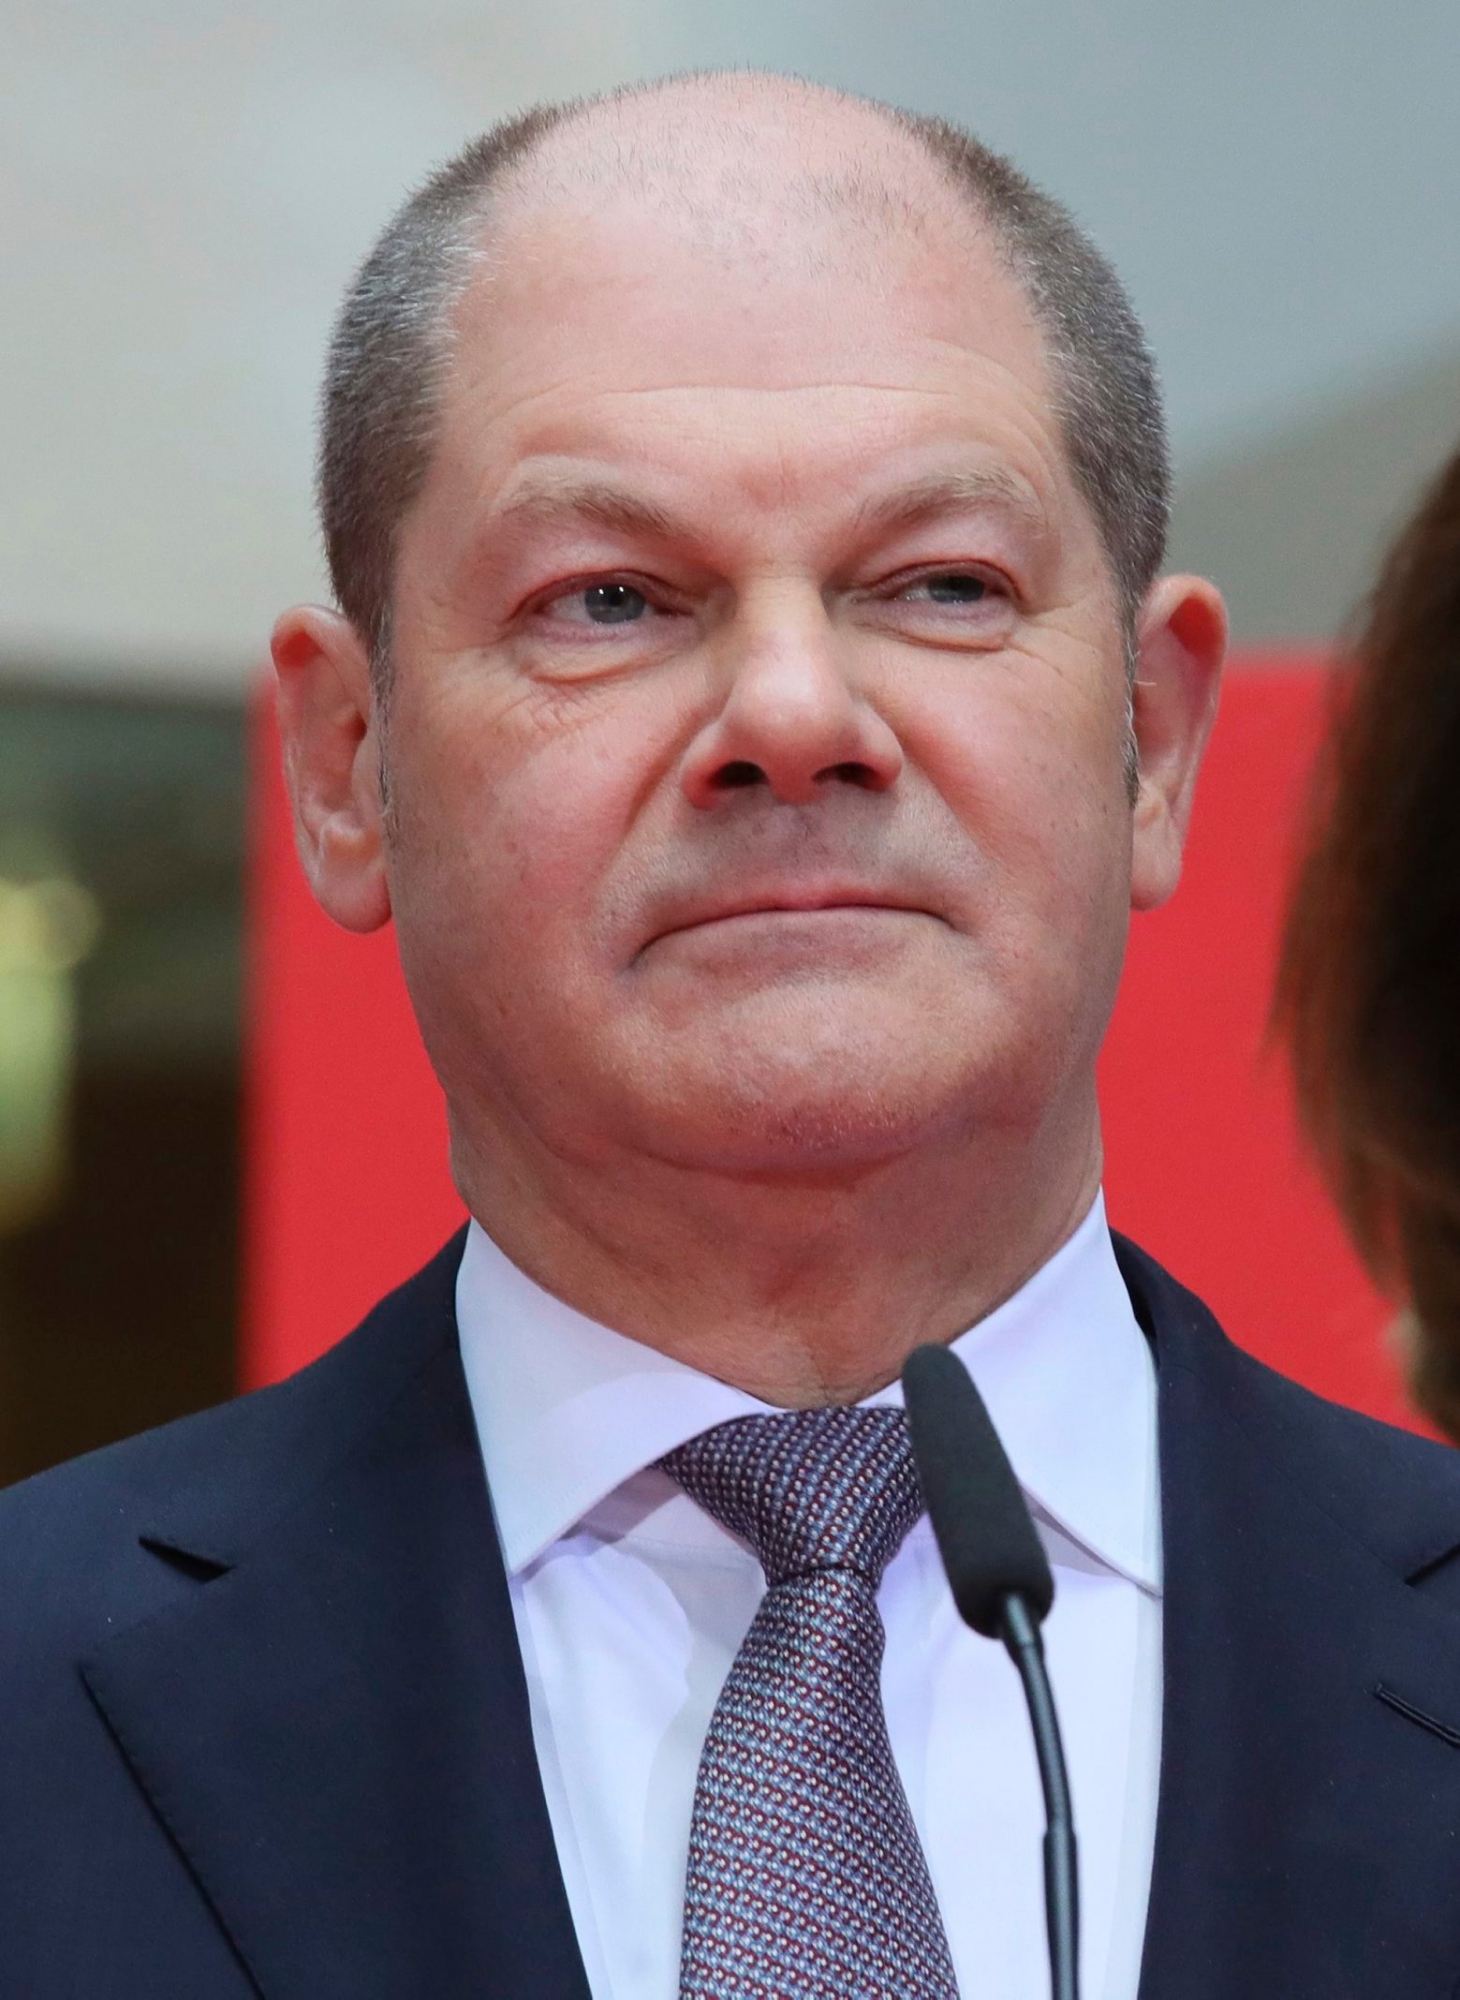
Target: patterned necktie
806, 1877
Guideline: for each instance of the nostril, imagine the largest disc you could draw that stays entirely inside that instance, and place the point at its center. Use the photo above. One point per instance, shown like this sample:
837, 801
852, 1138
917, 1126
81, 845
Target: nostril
852, 774
737, 774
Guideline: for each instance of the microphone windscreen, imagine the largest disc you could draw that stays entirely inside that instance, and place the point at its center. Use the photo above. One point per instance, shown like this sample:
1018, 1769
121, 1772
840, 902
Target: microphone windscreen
983, 1527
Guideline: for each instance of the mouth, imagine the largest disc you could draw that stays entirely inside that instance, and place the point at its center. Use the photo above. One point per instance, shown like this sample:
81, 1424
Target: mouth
795, 905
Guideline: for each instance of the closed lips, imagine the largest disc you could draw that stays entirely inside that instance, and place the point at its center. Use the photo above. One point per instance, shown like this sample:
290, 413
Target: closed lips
793, 904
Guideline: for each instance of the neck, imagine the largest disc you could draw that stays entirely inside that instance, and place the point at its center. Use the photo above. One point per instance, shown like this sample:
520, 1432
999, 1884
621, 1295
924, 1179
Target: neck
802, 1289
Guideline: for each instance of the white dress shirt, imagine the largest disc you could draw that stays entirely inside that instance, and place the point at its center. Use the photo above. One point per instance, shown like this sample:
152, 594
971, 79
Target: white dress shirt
631, 1603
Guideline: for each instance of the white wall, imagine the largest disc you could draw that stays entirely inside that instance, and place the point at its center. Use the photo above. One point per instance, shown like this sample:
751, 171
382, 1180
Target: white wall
185, 186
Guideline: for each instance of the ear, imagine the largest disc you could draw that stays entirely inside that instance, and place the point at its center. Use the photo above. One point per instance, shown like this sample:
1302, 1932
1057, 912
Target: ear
329, 725
1181, 642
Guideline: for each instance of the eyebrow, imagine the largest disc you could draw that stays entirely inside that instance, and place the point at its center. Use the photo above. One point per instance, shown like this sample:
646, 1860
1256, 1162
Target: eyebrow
988, 486
598, 501
613, 507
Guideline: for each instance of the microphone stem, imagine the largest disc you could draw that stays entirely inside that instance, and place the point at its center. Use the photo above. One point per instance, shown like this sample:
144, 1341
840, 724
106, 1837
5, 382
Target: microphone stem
1020, 1634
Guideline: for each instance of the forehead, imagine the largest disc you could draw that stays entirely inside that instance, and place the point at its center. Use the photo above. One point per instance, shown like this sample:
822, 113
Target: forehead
791, 296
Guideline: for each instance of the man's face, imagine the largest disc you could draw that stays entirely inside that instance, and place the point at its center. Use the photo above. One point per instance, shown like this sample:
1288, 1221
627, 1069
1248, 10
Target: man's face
758, 720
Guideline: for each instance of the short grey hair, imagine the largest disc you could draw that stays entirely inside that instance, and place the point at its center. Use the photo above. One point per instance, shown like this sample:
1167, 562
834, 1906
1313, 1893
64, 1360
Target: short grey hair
391, 348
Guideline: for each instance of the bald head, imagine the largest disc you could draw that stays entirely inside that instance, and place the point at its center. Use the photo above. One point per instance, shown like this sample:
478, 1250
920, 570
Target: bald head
747, 169
741, 157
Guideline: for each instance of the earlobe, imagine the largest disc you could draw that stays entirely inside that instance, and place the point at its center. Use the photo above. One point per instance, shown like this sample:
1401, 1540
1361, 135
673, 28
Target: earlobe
328, 726
1181, 645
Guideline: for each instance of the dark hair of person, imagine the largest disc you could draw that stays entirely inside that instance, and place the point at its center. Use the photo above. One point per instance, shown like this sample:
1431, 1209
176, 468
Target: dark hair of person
1369, 986
390, 350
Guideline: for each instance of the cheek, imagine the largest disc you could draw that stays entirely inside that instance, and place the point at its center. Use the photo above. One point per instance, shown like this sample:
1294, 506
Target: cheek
1030, 762
506, 826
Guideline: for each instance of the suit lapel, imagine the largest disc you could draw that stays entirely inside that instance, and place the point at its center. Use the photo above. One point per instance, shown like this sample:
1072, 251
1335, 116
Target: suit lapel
335, 1729
332, 1722
1307, 1829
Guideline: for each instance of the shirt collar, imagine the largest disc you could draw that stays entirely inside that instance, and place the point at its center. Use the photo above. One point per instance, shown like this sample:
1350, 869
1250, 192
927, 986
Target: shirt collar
567, 1410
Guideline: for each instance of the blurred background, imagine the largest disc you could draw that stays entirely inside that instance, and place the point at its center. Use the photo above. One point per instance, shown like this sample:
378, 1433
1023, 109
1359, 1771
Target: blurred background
185, 189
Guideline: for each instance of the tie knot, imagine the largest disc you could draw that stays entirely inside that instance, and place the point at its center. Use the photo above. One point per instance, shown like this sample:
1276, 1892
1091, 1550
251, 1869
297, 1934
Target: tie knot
814, 1489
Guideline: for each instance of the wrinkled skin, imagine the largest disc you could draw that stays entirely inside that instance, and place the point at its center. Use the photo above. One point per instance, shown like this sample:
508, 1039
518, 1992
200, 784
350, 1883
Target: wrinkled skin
759, 843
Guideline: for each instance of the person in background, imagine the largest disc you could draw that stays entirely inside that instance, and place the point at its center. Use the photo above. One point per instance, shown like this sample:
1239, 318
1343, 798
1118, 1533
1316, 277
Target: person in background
1369, 984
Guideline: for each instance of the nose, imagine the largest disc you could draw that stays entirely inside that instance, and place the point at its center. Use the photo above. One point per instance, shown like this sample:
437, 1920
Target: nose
790, 721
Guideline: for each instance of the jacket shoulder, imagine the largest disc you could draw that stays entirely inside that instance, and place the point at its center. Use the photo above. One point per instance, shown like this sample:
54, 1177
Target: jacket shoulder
1397, 1491
71, 1556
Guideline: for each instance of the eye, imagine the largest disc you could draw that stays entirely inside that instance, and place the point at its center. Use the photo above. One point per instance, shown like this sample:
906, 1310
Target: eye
610, 603
956, 604
593, 624
950, 587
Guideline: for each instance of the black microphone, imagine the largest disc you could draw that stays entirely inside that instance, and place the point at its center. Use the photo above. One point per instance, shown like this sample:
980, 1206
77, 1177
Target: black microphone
1001, 1582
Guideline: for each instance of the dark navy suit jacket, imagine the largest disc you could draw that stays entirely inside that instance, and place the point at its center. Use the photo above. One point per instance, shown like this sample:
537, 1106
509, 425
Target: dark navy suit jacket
264, 1729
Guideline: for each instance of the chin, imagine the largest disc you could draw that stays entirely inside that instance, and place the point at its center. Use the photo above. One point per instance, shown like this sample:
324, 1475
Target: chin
821, 1102
792, 1139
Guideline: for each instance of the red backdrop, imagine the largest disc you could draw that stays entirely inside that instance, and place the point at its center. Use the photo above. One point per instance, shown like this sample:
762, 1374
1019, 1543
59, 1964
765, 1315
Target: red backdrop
347, 1184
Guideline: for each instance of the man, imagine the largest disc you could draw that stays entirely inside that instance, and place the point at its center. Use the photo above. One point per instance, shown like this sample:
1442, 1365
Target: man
753, 699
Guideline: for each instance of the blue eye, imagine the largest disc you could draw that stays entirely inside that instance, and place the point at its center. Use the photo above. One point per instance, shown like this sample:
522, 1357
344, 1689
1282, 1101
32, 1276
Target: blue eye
955, 588
614, 603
